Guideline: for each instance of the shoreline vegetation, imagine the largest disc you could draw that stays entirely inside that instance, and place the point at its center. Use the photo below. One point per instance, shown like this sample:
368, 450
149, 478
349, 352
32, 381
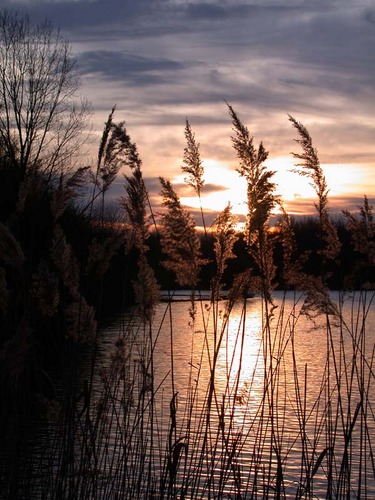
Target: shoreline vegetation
65, 269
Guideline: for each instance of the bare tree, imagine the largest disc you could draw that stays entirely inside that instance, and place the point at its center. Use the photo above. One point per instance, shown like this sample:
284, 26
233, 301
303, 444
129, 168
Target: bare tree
41, 117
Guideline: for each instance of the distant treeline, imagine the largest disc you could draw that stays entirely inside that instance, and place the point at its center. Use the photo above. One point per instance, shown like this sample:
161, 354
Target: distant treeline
351, 270
100, 251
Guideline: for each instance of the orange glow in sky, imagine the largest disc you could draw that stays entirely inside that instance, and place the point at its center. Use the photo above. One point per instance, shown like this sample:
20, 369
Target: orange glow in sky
342, 180
163, 62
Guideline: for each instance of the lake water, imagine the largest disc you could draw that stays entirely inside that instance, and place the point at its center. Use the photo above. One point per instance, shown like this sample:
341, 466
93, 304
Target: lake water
291, 408
222, 404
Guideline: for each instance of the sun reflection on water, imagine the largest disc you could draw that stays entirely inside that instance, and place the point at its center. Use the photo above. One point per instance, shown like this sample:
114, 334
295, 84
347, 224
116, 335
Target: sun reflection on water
232, 381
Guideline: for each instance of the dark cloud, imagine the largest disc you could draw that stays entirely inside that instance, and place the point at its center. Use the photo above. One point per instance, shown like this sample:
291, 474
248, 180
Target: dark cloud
122, 66
184, 190
71, 15
118, 190
305, 206
370, 16
206, 11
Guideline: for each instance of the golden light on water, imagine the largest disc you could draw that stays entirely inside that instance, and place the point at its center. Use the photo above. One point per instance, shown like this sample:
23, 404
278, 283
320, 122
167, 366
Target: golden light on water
239, 355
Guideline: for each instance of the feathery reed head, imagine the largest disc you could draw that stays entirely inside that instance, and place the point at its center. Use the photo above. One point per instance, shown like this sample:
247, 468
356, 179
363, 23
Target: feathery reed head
192, 163
44, 290
80, 320
260, 188
362, 229
135, 205
225, 236
146, 289
180, 242
311, 168
309, 161
115, 151
260, 200
65, 262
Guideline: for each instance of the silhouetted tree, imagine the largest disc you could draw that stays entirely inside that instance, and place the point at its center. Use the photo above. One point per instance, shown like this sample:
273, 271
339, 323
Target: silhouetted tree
41, 121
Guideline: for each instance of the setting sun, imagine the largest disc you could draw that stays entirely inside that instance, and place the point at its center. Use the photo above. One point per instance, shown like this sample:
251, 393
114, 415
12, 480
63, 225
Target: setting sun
223, 185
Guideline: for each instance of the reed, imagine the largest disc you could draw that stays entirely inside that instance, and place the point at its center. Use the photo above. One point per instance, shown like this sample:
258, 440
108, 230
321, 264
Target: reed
235, 422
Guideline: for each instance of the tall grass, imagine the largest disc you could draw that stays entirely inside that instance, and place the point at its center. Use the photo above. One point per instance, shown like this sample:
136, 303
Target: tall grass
229, 423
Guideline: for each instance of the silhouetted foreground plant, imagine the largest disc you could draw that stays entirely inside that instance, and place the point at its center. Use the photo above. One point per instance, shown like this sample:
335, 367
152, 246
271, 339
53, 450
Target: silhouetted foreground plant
253, 409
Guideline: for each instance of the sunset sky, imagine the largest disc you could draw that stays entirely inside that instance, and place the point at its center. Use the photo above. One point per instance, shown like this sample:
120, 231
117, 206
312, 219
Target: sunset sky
162, 61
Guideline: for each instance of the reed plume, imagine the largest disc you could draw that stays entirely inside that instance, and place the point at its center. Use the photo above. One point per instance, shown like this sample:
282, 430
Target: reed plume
80, 322
67, 189
317, 298
180, 241
260, 199
225, 236
311, 168
292, 263
192, 163
100, 254
136, 204
362, 229
135, 207
260, 187
111, 158
44, 290
65, 262
111, 152
192, 166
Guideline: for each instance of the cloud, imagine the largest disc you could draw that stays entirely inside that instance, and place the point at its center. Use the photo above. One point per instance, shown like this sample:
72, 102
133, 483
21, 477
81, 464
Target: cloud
242, 47
370, 16
125, 67
184, 190
71, 15
164, 60
199, 11
117, 191
305, 206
